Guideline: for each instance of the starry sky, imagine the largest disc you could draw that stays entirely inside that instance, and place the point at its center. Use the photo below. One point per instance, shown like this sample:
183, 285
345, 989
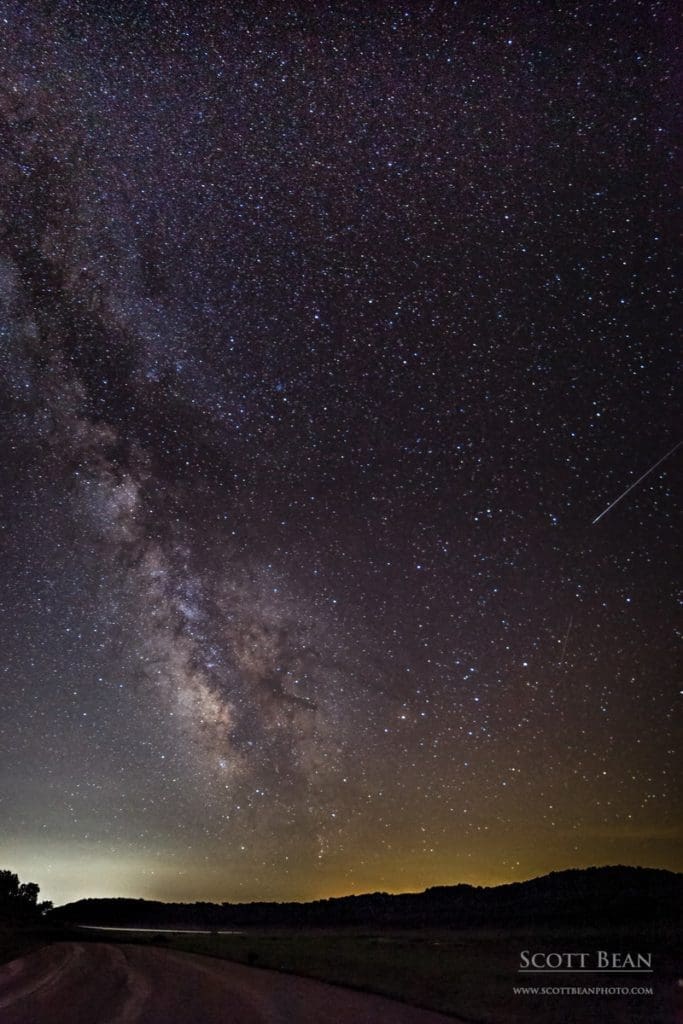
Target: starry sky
328, 329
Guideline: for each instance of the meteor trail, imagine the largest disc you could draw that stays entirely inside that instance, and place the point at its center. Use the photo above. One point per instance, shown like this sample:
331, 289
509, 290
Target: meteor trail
564, 645
636, 482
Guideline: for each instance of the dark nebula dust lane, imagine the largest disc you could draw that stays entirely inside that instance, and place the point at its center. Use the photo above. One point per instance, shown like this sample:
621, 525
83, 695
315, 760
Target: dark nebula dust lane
326, 335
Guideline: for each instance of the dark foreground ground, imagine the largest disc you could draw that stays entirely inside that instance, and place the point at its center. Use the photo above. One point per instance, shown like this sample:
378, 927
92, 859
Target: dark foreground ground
248, 977
98, 983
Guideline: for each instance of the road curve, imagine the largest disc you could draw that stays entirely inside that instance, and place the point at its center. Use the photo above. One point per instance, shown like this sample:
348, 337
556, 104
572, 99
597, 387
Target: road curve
96, 983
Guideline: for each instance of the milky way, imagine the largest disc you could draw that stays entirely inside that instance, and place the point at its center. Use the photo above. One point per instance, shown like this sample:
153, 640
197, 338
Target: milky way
327, 333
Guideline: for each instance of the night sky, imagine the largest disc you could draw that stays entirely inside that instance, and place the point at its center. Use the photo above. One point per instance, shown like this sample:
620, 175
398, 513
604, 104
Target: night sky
328, 330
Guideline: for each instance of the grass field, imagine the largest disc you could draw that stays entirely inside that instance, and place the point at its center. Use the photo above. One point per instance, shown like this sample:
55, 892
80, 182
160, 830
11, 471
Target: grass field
469, 974
16, 942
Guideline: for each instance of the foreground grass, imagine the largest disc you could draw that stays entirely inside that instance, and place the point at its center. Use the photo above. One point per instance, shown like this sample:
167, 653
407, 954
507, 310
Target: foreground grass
20, 941
468, 974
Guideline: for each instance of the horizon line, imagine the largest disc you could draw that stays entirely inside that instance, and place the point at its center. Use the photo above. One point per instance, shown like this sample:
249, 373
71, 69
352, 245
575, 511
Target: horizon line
385, 892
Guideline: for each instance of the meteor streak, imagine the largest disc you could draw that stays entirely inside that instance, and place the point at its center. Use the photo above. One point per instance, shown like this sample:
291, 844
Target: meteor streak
564, 645
636, 482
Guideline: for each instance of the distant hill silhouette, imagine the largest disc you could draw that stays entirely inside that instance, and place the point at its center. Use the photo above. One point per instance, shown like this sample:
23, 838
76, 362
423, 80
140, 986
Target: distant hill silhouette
600, 896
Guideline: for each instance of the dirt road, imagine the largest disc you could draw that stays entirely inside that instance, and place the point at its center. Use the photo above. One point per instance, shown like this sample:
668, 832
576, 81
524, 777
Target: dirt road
95, 983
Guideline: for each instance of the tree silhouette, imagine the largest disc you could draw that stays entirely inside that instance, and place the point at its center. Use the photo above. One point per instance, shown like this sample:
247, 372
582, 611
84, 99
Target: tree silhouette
19, 900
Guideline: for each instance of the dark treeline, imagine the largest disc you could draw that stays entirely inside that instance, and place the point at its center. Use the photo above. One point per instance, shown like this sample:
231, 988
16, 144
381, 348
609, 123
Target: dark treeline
608, 895
19, 901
